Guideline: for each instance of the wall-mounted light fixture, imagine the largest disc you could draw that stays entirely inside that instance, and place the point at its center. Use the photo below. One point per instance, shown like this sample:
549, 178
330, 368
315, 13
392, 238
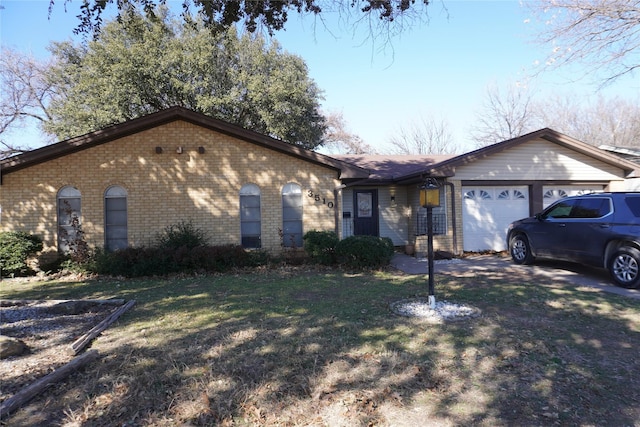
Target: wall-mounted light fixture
179, 150
158, 150
393, 200
201, 150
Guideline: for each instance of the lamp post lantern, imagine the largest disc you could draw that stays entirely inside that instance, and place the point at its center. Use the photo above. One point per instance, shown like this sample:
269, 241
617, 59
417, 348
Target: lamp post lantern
430, 198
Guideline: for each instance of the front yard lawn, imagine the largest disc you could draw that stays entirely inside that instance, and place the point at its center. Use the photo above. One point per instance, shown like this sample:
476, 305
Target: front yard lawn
302, 346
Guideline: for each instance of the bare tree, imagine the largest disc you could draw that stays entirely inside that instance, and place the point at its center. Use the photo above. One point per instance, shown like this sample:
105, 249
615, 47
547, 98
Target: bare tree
338, 139
504, 115
428, 136
603, 35
24, 98
609, 121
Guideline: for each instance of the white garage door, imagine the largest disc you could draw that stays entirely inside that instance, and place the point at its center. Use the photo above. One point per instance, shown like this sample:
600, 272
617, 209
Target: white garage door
551, 193
487, 212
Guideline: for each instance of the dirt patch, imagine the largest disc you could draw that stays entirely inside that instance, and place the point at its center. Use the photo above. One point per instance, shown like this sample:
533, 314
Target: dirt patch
48, 328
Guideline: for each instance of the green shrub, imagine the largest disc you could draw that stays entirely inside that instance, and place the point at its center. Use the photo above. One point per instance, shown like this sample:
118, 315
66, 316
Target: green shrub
216, 258
133, 262
159, 261
364, 251
15, 248
321, 246
181, 234
257, 258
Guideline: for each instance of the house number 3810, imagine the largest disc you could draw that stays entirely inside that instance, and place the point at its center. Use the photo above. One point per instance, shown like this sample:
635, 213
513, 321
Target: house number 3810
319, 199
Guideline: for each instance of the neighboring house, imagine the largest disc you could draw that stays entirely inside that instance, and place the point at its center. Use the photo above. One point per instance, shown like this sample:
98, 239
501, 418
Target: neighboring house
629, 153
126, 183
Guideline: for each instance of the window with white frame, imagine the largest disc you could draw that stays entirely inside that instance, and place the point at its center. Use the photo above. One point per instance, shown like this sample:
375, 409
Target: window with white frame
115, 218
439, 217
69, 209
292, 216
250, 216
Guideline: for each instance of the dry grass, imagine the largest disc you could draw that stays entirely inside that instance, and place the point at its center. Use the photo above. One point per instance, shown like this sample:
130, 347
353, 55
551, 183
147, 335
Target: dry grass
321, 348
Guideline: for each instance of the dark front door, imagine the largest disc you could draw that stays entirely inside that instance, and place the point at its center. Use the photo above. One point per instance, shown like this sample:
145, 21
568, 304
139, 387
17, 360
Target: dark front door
365, 220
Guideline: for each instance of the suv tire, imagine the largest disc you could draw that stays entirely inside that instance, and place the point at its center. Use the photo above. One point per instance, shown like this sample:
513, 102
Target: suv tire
520, 250
624, 267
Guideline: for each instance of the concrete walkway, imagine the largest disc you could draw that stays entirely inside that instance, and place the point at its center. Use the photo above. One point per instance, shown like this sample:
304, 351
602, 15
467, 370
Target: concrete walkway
503, 268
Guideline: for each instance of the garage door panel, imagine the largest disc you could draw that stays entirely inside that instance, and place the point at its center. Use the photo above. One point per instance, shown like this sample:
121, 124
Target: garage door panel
488, 211
551, 193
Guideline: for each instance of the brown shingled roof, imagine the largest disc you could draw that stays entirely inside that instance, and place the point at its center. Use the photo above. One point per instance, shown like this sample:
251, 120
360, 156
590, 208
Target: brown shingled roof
348, 171
391, 168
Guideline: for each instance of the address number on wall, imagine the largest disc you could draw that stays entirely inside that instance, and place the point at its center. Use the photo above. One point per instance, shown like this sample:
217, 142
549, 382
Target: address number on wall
319, 199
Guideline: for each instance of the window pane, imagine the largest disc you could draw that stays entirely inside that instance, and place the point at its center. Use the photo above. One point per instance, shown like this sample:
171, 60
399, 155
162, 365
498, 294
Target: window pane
290, 189
250, 201
250, 214
252, 242
116, 218
292, 227
68, 208
117, 232
68, 192
294, 200
250, 190
294, 213
250, 227
292, 208
116, 203
560, 210
115, 191
634, 205
591, 208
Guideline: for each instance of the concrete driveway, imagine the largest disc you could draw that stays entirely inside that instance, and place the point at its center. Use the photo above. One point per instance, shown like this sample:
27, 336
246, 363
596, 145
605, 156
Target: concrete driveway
593, 278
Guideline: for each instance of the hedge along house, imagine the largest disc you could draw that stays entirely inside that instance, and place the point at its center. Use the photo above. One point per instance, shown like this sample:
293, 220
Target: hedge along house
128, 182
482, 191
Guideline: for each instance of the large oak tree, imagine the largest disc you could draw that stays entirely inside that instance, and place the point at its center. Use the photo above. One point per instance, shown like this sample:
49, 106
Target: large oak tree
138, 65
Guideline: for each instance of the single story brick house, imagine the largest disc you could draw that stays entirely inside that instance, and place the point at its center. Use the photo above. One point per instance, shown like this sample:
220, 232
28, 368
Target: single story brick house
126, 183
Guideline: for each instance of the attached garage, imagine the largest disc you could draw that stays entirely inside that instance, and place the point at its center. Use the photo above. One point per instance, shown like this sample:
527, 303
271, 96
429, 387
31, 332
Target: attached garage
484, 190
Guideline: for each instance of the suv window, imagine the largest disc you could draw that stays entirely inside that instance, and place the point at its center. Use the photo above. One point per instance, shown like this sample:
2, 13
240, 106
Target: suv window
591, 208
560, 209
634, 205
581, 208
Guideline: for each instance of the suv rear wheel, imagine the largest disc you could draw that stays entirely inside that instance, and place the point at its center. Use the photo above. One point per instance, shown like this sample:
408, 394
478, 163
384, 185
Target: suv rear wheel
624, 267
520, 249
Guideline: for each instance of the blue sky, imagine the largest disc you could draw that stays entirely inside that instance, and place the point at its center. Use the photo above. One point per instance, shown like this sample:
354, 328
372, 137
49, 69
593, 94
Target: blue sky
441, 68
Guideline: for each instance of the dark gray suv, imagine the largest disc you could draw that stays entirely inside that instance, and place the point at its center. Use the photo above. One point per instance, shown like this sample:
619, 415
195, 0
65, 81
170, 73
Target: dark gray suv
599, 229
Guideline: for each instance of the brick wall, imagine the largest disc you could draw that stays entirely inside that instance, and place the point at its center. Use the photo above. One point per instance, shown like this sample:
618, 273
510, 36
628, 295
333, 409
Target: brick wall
166, 188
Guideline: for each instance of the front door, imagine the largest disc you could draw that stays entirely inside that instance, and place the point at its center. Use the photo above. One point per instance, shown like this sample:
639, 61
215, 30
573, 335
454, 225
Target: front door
366, 212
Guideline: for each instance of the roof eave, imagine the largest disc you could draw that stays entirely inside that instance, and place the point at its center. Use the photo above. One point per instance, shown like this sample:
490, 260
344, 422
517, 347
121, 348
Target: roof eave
169, 115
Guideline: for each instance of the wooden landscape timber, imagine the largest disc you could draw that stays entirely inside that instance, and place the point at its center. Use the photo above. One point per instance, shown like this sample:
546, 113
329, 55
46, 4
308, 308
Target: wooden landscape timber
28, 393
84, 340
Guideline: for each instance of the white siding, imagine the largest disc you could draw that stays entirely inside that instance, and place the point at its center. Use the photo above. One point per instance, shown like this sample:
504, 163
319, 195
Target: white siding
394, 221
393, 216
539, 160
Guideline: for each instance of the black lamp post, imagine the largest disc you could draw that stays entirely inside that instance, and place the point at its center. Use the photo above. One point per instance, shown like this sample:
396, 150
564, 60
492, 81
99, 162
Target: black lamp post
430, 198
